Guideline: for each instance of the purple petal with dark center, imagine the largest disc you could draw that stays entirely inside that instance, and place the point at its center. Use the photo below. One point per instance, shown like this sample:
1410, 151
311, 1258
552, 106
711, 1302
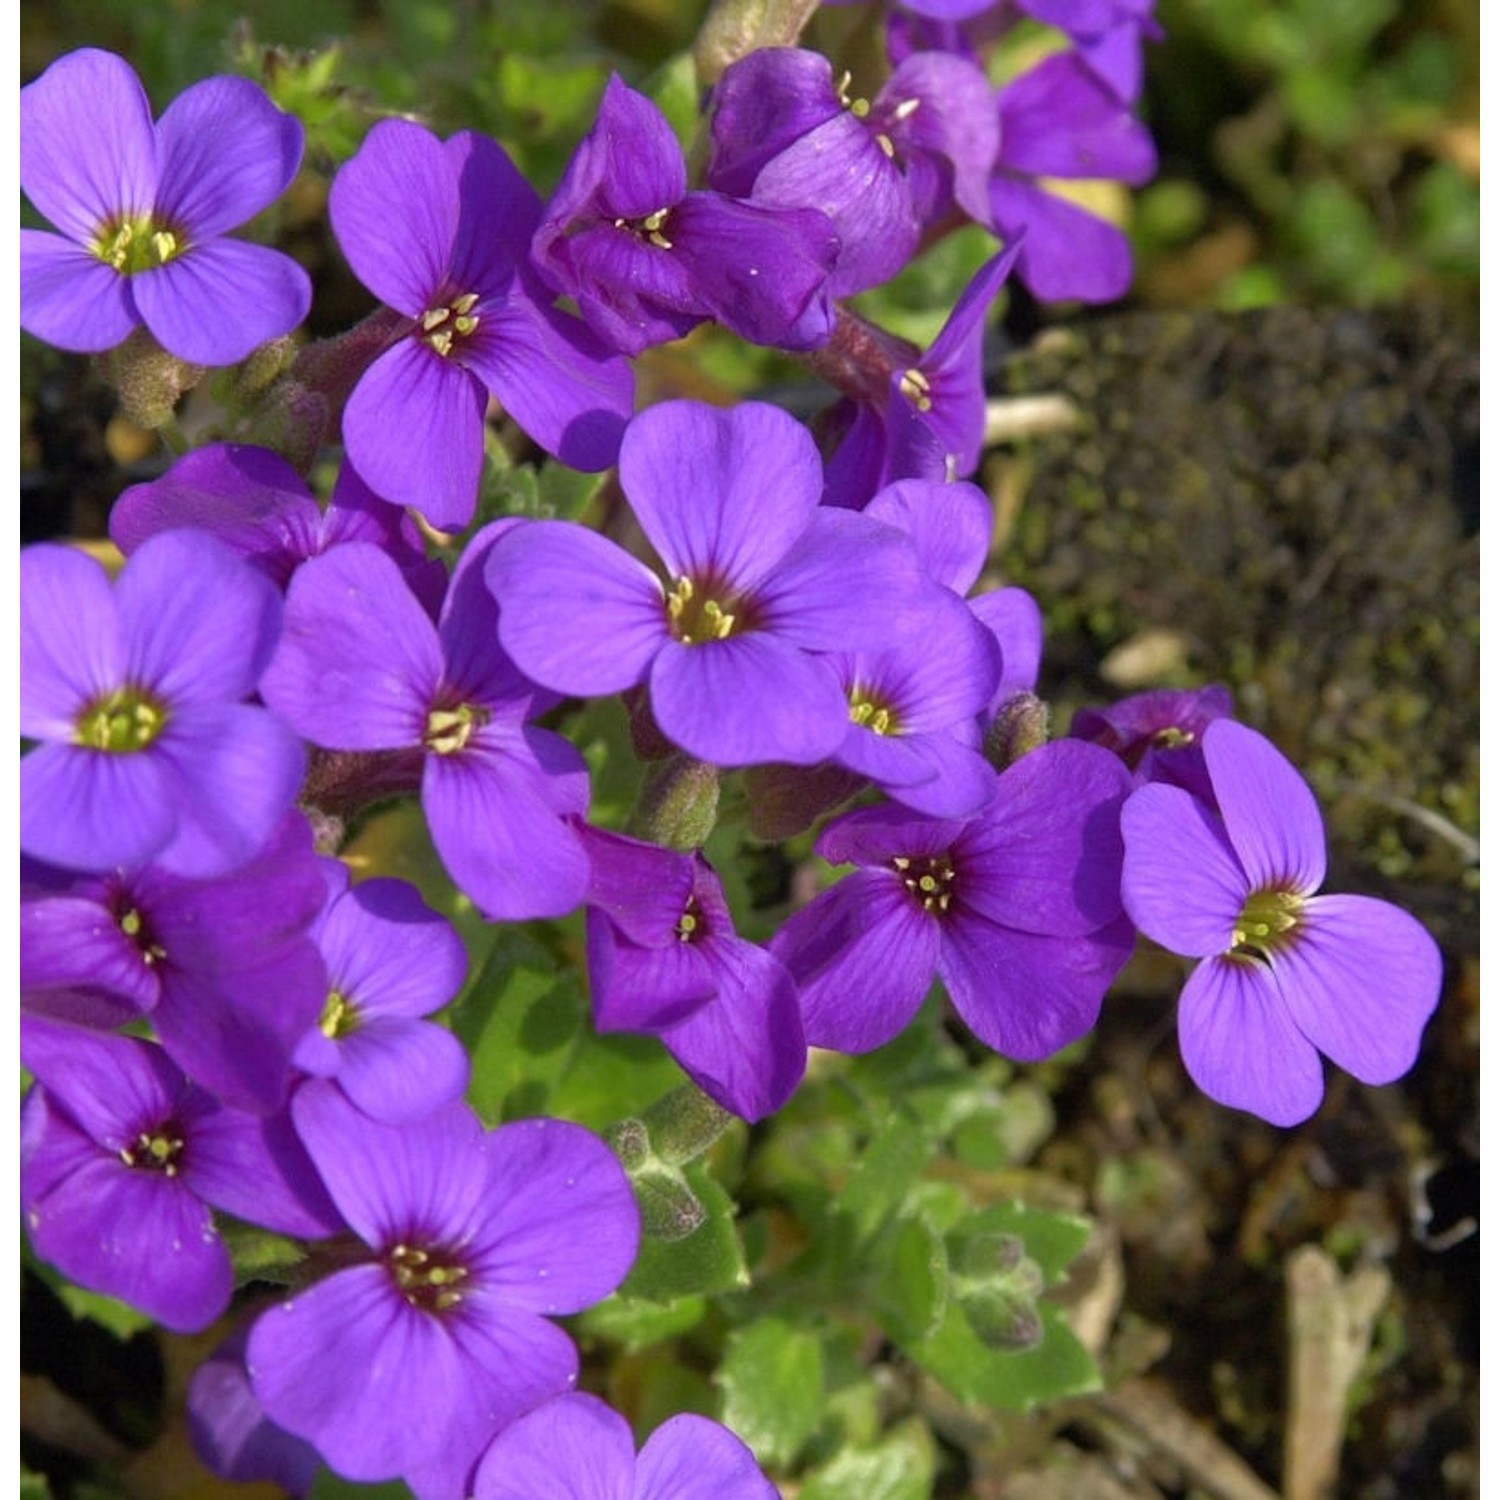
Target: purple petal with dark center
562, 1226
221, 300
1360, 978
238, 768
838, 167
744, 1046
629, 165
139, 1235
572, 1446
642, 888
79, 176
748, 699
763, 103
94, 810
199, 625
1180, 882
407, 1361
225, 152
71, 647
359, 664
863, 956
69, 942
1240, 1045
721, 493
410, 405
878, 835
111, 1087
69, 298
1269, 811
1057, 120
689, 1454
498, 213
1066, 252
1045, 855
577, 613
497, 836
949, 524
395, 212
422, 1182
248, 498
756, 269
633, 987
565, 389
846, 583
1025, 995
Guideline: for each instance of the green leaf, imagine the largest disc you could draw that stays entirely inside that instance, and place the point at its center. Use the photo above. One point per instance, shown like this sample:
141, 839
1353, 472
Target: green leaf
772, 1379
119, 1318
33, 1486
708, 1260
901, 1467
1052, 1240
887, 1170
563, 494
637, 1324
328, 1486
912, 1291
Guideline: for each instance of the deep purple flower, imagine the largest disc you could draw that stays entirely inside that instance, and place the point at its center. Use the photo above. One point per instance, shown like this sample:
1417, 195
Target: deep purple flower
391, 960
1159, 735
440, 231
122, 1159
1107, 34
143, 212
760, 578
223, 967
647, 260
363, 667
575, 1446
408, 1363
259, 506
664, 958
135, 691
1017, 910
1285, 973
783, 133
933, 405
1059, 121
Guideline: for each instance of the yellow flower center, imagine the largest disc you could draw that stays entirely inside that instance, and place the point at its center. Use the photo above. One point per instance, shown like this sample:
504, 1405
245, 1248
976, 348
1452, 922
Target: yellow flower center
651, 229
929, 880
426, 1281
121, 722
1265, 925
137, 242
450, 729
694, 618
450, 322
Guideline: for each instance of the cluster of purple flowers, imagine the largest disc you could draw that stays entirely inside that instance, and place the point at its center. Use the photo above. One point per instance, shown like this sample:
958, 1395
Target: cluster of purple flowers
219, 1023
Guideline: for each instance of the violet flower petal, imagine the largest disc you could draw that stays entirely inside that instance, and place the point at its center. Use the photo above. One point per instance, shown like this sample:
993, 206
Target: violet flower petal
72, 650
1066, 251
572, 1446
1241, 1046
690, 1456
71, 299
397, 1069
119, 809
950, 526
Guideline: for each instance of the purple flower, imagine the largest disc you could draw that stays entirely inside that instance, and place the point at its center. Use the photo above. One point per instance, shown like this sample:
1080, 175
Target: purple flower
122, 1159
931, 417
408, 1363
391, 960
761, 578
1159, 734
143, 210
440, 232
223, 967
257, 504
664, 958
1286, 974
1017, 910
784, 134
647, 260
363, 667
135, 691
1107, 34
575, 1446
1059, 121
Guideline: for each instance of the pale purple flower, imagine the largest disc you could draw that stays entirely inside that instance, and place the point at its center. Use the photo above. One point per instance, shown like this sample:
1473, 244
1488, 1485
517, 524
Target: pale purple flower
135, 691
409, 1362
574, 1446
1285, 974
1159, 734
647, 260
440, 231
1016, 910
143, 210
760, 579
362, 666
664, 958
123, 1160
391, 961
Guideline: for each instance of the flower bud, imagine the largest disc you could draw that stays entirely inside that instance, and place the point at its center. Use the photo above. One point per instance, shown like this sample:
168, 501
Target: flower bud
1019, 726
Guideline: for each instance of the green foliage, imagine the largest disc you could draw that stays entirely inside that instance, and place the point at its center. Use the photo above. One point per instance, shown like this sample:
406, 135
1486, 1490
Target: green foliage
772, 1379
